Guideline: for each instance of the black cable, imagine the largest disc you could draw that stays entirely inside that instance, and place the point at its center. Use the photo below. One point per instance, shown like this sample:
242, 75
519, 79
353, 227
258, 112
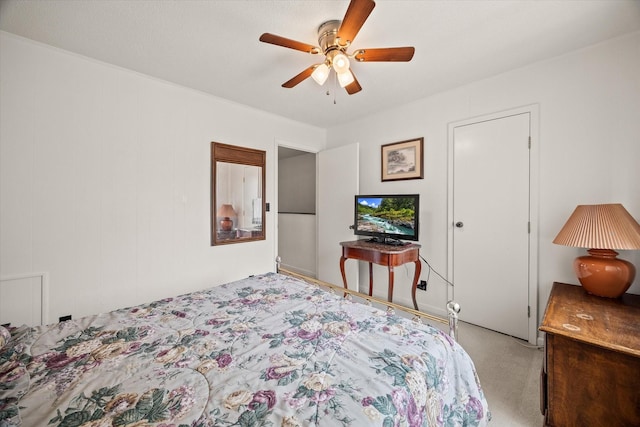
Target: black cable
432, 269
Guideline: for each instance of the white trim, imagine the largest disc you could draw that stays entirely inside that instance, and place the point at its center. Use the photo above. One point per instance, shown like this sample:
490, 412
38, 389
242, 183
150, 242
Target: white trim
274, 205
294, 146
44, 291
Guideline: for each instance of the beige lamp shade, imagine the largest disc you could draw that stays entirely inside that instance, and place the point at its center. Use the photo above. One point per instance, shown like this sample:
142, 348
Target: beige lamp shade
600, 226
603, 229
226, 210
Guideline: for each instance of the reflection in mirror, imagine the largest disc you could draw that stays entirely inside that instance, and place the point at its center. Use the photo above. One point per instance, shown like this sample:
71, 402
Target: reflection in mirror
237, 200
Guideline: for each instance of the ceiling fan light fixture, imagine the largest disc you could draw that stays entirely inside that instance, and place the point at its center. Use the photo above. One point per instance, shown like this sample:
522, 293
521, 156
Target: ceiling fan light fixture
335, 38
321, 73
340, 63
345, 79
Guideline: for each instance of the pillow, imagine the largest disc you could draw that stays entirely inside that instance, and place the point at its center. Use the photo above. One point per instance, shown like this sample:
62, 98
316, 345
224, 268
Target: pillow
5, 336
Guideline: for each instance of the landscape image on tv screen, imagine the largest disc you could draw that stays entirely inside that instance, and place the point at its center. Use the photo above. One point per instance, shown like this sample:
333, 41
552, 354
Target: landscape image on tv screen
386, 215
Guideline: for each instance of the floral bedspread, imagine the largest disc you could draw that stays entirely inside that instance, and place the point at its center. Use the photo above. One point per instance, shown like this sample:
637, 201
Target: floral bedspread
269, 350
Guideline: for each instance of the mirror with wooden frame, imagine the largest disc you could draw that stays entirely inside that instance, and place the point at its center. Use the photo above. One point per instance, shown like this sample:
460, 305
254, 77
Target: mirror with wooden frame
237, 194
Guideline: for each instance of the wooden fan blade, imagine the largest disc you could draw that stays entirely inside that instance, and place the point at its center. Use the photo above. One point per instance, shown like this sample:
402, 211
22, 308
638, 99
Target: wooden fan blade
402, 54
357, 13
291, 44
300, 77
353, 87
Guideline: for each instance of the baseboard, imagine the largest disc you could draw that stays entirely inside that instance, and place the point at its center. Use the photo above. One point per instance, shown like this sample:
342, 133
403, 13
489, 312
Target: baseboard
298, 270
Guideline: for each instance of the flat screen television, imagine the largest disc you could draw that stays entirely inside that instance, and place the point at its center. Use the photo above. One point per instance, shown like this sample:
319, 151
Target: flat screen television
388, 219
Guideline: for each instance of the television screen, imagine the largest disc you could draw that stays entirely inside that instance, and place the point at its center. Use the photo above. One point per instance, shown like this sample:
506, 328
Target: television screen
387, 218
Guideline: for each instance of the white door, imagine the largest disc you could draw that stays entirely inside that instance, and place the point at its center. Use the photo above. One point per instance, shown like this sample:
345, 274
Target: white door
490, 215
337, 183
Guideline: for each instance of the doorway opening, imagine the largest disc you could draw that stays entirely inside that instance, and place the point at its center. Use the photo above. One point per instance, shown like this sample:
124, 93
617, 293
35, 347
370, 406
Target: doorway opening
297, 241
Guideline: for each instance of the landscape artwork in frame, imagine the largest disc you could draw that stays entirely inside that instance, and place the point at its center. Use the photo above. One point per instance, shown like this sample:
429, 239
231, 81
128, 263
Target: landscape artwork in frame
403, 160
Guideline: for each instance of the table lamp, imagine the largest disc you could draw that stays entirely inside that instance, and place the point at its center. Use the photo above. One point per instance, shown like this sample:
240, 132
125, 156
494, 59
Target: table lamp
602, 229
226, 212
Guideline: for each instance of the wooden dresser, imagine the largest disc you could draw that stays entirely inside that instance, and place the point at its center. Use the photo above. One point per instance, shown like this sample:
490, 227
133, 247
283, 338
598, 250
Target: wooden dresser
591, 372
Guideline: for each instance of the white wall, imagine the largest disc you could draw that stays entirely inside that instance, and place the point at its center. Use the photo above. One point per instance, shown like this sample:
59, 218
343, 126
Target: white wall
297, 242
105, 175
105, 180
589, 150
297, 184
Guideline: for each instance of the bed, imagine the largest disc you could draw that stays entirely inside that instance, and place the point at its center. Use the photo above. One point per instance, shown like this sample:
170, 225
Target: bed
268, 350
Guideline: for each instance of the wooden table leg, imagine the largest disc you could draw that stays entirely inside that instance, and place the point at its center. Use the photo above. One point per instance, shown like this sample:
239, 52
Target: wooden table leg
344, 276
416, 276
370, 279
390, 297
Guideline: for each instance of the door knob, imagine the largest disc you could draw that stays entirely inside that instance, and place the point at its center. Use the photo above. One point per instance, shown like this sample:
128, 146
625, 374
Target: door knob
459, 224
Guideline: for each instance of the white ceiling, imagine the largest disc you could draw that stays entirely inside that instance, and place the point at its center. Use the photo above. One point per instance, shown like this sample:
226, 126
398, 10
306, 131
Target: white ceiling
213, 46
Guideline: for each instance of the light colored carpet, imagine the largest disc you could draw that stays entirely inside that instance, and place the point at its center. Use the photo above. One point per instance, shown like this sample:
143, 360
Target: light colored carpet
509, 372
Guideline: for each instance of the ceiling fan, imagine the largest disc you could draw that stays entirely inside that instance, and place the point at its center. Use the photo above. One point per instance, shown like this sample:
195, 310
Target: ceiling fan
334, 38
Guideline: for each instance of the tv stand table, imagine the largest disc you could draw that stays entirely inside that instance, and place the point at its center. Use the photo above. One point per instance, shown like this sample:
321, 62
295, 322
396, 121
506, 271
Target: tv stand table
382, 254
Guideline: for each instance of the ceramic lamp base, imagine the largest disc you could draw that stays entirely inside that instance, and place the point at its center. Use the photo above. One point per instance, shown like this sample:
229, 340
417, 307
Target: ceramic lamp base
604, 275
226, 224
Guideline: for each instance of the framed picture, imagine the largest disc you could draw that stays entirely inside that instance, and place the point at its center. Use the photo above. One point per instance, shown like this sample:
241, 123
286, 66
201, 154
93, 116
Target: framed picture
403, 160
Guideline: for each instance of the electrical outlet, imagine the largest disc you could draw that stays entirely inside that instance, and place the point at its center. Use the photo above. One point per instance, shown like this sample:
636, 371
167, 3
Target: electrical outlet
64, 318
422, 285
